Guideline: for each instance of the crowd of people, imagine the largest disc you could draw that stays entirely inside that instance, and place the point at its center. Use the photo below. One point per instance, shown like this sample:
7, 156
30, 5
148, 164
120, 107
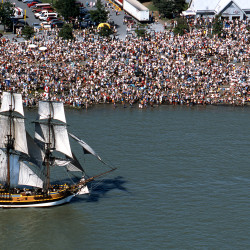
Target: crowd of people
160, 68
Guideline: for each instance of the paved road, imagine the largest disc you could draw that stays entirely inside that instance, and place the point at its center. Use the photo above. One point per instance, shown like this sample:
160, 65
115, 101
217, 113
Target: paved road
30, 15
118, 19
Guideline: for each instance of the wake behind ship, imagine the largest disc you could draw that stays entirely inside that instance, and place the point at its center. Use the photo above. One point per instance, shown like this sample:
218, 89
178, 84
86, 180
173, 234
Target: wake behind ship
26, 162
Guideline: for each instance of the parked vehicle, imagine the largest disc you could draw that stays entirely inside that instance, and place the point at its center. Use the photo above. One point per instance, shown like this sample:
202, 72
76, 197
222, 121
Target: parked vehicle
42, 5
32, 4
136, 9
18, 12
28, 1
37, 27
57, 24
37, 15
51, 18
44, 16
37, 10
83, 11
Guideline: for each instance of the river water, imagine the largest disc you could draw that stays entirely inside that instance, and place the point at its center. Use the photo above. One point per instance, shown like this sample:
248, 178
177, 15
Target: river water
182, 182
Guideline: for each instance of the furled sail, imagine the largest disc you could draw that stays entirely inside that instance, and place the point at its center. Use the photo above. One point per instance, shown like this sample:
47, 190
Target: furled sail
86, 148
17, 128
13, 101
53, 110
54, 134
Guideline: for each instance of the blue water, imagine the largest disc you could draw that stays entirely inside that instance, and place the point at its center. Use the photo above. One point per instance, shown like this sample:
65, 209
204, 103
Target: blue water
182, 182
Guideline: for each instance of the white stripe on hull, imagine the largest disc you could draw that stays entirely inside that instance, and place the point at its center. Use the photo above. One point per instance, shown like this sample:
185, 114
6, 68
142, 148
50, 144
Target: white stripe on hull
45, 204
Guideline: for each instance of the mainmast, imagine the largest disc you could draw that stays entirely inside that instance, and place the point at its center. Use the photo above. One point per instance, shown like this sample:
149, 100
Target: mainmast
48, 148
51, 134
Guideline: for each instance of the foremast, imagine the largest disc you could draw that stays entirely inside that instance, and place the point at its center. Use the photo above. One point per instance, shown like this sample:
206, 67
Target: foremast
12, 135
10, 143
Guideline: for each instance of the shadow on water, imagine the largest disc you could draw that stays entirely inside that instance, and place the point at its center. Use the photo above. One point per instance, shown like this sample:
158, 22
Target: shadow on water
99, 189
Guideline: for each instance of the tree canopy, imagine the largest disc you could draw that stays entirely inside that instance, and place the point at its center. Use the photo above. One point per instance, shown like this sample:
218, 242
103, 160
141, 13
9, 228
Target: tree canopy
100, 15
6, 12
170, 8
27, 32
67, 8
105, 31
66, 32
181, 27
217, 25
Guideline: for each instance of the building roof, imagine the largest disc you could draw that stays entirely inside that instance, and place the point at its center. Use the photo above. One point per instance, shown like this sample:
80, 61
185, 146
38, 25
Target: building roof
217, 5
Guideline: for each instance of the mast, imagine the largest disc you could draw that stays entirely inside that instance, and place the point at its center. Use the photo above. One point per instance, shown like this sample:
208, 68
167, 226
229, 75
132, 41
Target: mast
48, 151
9, 144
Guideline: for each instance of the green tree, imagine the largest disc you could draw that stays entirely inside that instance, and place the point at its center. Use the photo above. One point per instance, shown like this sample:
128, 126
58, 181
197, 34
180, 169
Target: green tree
66, 32
100, 15
141, 30
67, 8
170, 8
27, 32
181, 27
105, 31
217, 25
6, 12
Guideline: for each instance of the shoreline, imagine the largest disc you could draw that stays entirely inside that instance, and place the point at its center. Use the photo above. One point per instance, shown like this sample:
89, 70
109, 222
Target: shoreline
137, 105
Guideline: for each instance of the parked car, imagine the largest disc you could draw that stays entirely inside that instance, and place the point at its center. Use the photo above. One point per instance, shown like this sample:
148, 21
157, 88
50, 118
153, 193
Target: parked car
57, 24
51, 18
28, 1
36, 10
37, 27
31, 4
37, 15
45, 25
83, 10
44, 16
86, 24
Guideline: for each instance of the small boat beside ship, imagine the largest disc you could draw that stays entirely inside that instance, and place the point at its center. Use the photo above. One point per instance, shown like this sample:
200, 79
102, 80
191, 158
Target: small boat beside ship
26, 162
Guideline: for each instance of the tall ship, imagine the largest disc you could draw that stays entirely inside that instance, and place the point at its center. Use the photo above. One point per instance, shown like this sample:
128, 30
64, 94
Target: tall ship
27, 164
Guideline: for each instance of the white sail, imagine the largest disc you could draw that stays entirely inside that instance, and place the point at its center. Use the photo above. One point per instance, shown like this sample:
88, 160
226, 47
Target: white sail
3, 166
83, 189
12, 101
17, 128
62, 140
68, 164
14, 168
56, 135
87, 149
53, 110
20, 173
28, 177
20, 142
4, 130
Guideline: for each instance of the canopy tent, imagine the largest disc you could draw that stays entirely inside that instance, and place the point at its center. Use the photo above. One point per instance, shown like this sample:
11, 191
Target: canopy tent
43, 48
102, 25
32, 45
188, 13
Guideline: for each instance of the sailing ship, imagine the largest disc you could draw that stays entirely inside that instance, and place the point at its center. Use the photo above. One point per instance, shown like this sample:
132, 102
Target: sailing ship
26, 163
